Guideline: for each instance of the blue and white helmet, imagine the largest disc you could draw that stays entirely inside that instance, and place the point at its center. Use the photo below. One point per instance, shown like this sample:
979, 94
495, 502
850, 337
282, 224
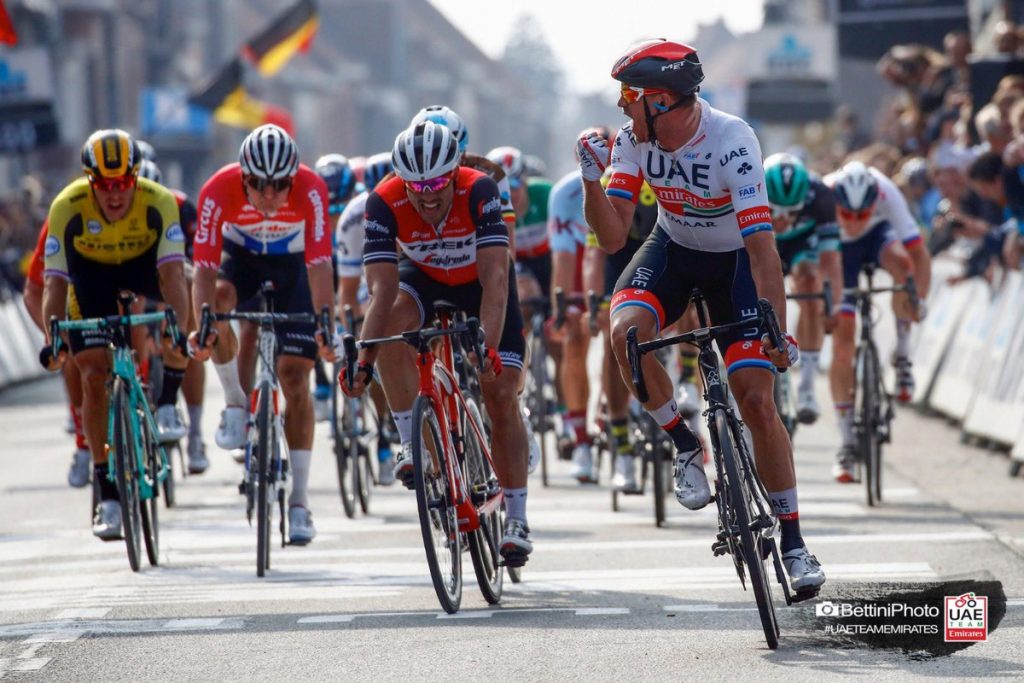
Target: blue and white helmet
438, 113
855, 188
270, 153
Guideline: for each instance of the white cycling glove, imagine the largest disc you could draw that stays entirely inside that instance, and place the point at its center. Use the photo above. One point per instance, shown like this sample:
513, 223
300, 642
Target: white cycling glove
592, 154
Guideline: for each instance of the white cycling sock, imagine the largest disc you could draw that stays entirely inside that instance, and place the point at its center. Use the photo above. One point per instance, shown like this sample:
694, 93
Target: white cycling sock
902, 338
228, 374
808, 368
844, 416
299, 466
195, 422
403, 422
515, 503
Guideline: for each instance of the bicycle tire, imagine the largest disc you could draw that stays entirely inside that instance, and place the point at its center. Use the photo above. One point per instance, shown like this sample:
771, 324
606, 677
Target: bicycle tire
867, 437
876, 452
126, 474
538, 403
149, 507
438, 519
263, 503
750, 543
346, 451
485, 541
659, 463
367, 478
169, 484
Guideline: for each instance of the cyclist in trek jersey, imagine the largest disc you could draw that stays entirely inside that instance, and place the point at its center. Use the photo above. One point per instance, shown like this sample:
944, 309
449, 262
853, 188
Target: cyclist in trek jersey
807, 237
567, 237
876, 226
714, 232
265, 218
446, 222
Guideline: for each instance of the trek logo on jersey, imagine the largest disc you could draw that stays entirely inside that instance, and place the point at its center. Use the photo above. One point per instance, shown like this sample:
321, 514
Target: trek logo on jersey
747, 191
754, 216
208, 215
52, 246
175, 233
94, 227
698, 175
740, 152
319, 222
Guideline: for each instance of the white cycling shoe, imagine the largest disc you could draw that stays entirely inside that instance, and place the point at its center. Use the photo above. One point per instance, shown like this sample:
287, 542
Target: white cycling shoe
231, 430
81, 468
807, 411
804, 570
691, 483
583, 464
170, 426
300, 525
106, 524
625, 474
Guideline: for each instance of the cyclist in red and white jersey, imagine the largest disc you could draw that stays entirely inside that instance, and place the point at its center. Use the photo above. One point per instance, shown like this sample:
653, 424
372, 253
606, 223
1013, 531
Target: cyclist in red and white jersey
265, 218
714, 232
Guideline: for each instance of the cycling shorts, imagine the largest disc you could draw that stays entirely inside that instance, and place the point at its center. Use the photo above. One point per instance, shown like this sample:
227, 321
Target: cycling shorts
425, 290
661, 275
247, 272
616, 263
799, 249
867, 248
537, 267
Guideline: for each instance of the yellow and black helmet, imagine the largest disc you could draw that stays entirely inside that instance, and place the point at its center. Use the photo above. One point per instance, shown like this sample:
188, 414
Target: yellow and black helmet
111, 153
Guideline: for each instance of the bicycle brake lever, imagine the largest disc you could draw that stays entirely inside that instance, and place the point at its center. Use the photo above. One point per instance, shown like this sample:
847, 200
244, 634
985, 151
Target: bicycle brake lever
771, 326
351, 357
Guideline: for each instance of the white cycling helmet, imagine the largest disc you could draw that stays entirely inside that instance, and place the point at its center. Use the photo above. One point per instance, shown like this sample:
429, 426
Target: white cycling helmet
855, 188
511, 161
149, 169
424, 151
438, 113
269, 152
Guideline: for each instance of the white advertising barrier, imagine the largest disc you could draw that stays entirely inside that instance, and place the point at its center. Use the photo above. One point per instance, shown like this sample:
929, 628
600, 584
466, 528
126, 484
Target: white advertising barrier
930, 340
956, 383
1006, 412
20, 342
987, 414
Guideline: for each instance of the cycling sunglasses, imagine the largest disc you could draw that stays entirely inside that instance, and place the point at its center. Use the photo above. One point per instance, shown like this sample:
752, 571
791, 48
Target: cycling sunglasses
259, 184
631, 94
118, 184
786, 211
432, 185
861, 215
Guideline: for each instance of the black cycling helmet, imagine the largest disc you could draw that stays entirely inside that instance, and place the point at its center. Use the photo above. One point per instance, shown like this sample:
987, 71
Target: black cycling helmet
660, 65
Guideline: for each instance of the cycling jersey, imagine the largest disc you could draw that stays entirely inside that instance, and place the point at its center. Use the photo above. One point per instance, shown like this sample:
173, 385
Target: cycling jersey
446, 253
891, 207
485, 165
189, 220
532, 229
567, 228
225, 216
710, 191
37, 262
349, 237
79, 231
814, 229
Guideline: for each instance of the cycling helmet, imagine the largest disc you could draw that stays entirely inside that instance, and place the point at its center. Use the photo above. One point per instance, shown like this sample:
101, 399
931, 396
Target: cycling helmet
855, 188
149, 169
424, 151
338, 174
377, 166
661, 65
438, 113
110, 153
270, 153
511, 161
786, 179
148, 153
535, 166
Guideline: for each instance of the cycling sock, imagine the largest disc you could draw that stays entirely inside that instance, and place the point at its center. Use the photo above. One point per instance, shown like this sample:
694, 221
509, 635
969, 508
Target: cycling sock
169, 389
195, 422
299, 467
403, 421
108, 489
228, 374
785, 505
668, 417
515, 504
808, 368
844, 416
902, 338
687, 366
576, 420
76, 417
620, 436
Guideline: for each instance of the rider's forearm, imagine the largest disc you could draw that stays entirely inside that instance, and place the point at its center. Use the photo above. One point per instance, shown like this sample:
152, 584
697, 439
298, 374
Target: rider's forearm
563, 273
348, 293
55, 302
493, 301
383, 290
174, 289
204, 287
922, 268
593, 270
321, 285
603, 219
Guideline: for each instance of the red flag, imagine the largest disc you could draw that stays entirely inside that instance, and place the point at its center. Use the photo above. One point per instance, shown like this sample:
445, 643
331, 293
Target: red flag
7, 32
279, 116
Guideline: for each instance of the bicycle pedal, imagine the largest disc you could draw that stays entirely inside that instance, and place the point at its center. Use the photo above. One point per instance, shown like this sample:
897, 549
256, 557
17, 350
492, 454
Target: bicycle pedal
719, 548
513, 560
805, 594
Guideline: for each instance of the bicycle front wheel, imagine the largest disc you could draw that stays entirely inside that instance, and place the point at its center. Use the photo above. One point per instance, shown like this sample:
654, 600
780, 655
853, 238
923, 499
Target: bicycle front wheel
262, 479
752, 544
149, 507
434, 496
126, 472
869, 400
537, 402
346, 453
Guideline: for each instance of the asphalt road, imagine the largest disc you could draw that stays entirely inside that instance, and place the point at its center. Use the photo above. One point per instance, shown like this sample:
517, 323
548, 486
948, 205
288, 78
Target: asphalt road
606, 596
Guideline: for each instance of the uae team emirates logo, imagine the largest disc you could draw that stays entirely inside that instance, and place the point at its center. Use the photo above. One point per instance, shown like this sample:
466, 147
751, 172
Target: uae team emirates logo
966, 618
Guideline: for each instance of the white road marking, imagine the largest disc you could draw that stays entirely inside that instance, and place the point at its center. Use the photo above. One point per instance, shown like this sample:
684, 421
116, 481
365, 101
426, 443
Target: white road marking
192, 624
30, 651
60, 636
83, 613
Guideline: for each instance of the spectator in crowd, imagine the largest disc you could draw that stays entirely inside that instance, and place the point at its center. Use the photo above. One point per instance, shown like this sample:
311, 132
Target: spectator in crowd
994, 131
957, 46
922, 197
1005, 38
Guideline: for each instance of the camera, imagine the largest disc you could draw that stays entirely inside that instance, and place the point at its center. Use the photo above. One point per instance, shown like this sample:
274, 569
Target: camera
826, 609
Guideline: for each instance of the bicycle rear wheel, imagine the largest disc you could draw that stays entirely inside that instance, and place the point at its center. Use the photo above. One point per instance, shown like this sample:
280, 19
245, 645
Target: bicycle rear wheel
126, 473
878, 421
346, 453
149, 507
366, 480
485, 541
263, 502
867, 418
169, 484
752, 543
660, 464
537, 402
438, 519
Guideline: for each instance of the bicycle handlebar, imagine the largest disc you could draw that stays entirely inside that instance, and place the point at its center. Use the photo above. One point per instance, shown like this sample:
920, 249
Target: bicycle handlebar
825, 295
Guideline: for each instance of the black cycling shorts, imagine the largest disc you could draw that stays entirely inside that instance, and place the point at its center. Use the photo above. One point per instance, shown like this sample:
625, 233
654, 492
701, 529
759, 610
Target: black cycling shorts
867, 248
425, 290
248, 271
95, 286
539, 268
661, 276
798, 249
616, 263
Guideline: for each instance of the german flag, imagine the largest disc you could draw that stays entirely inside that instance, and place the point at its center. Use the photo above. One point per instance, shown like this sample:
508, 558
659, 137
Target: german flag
8, 35
231, 103
292, 31
216, 90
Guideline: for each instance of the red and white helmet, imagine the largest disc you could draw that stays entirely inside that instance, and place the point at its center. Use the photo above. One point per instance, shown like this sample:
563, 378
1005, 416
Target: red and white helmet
660, 65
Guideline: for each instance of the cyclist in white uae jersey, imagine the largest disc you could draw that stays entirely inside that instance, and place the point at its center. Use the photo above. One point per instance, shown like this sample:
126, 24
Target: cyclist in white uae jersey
714, 232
